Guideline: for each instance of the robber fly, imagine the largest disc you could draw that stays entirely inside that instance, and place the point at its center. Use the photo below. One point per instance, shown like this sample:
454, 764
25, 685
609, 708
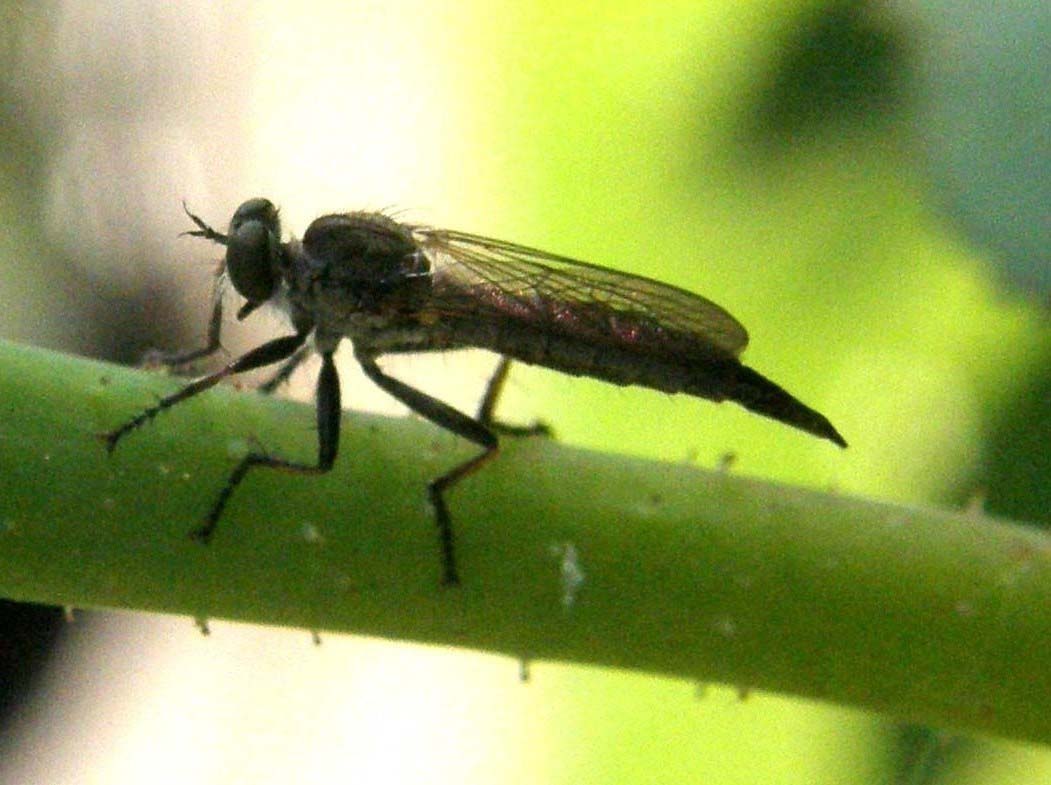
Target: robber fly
392, 287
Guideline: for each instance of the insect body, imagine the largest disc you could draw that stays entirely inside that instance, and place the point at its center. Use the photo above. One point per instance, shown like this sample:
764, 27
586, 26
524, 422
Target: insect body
392, 287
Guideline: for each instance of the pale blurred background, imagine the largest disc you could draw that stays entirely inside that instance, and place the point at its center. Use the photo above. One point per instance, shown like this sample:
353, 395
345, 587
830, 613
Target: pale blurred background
863, 184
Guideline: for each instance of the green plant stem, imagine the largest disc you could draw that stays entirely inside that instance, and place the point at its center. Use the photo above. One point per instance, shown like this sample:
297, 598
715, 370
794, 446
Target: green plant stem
929, 616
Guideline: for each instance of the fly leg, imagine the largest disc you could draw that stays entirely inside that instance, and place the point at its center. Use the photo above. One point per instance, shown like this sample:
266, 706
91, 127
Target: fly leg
328, 420
204, 230
328, 411
451, 419
267, 354
487, 407
284, 373
212, 344
215, 322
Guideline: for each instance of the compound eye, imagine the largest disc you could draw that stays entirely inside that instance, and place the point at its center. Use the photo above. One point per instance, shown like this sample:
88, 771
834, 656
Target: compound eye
259, 210
252, 249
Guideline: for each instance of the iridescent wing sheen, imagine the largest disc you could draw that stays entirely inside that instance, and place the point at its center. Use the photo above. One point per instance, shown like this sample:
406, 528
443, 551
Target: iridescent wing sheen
482, 277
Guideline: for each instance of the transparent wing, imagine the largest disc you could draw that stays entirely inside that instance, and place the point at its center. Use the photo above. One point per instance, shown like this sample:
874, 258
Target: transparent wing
481, 277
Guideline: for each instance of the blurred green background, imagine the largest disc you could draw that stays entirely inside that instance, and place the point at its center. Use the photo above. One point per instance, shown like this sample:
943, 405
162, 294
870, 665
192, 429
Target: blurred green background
860, 184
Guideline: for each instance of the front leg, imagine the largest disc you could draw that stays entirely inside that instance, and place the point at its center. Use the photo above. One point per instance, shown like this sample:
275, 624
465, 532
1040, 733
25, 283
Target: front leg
271, 352
215, 322
451, 419
212, 342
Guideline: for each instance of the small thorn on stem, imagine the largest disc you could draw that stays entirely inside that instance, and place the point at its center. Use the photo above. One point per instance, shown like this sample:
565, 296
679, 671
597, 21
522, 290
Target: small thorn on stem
202, 534
109, 440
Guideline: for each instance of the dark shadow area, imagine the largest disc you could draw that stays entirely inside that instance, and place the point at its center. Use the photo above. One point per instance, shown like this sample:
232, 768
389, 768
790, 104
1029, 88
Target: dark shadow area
28, 635
77, 313
921, 755
1017, 473
842, 65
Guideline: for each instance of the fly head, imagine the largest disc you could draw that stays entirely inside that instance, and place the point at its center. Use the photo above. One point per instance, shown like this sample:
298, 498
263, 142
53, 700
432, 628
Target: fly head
253, 252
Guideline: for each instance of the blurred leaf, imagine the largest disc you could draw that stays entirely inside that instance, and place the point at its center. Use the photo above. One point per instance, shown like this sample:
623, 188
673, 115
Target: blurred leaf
840, 65
982, 109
